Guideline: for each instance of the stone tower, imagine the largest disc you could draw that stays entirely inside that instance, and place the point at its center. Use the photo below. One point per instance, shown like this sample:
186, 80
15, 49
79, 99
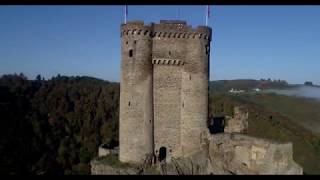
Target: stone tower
164, 89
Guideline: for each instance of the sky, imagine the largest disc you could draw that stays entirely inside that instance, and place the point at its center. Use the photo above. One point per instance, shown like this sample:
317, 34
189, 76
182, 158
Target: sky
248, 42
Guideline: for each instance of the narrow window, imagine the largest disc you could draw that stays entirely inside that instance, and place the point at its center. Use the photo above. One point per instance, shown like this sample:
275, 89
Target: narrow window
127, 42
182, 104
207, 49
130, 53
129, 103
169, 52
135, 42
190, 77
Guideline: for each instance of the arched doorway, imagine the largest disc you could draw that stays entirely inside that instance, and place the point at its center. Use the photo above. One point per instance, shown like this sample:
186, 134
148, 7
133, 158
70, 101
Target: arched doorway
162, 153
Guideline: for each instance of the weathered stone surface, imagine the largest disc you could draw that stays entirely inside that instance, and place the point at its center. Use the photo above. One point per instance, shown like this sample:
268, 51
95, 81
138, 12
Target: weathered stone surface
103, 151
98, 168
105, 169
164, 106
225, 153
240, 154
196, 164
239, 122
163, 88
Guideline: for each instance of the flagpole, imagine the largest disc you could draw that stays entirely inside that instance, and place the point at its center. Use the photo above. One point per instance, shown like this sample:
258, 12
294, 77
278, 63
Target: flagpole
125, 14
207, 11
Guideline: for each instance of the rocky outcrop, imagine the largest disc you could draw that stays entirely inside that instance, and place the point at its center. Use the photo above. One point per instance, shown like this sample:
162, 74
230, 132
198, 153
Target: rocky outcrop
240, 154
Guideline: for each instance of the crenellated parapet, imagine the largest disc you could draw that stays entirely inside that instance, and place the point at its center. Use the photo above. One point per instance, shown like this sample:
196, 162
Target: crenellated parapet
163, 106
137, 28
176, 62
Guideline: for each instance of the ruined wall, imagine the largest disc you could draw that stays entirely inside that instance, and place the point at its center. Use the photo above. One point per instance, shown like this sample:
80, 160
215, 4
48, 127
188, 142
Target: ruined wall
239, 122
104, 151
224, 153
241, 154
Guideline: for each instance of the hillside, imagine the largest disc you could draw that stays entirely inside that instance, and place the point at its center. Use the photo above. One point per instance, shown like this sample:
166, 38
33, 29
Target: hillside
271, 116
55, 126
246, 84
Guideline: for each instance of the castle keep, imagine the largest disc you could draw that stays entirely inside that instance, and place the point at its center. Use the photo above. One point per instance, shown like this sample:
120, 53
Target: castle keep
164, 89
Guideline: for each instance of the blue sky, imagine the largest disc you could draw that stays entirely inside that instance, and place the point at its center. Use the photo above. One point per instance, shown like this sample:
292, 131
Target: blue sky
277, 42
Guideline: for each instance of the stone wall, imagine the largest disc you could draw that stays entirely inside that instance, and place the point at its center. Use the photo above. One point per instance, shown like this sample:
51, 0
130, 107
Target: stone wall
224, 153
240, 154
102, 151
167, 87
163, 88
239, 122
136, 97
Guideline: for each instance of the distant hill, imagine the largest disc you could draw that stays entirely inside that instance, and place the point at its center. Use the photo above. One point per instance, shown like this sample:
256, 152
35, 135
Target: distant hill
246, 84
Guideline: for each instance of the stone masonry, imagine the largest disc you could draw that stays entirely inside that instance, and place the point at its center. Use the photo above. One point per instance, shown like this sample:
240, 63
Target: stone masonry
163, 89
233, 153
239, 122
164, 110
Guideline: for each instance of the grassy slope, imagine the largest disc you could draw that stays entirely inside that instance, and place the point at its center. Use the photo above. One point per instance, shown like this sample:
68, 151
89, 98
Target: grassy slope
302, 111
268, 120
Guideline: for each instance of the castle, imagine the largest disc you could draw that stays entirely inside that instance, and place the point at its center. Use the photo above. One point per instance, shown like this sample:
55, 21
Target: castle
164, 111
163, 89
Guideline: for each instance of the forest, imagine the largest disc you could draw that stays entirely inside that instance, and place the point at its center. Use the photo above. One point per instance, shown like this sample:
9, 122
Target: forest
55, 126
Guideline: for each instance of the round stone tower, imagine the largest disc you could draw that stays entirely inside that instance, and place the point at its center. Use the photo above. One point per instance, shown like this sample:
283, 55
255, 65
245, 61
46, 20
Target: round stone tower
136, 106
194, 91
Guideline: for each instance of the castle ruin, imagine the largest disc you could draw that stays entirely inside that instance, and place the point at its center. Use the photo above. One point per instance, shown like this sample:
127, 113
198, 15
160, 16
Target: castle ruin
163, 90
164, 111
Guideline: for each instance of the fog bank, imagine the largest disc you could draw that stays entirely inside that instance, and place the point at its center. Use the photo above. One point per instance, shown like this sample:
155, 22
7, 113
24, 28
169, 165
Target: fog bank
301, 91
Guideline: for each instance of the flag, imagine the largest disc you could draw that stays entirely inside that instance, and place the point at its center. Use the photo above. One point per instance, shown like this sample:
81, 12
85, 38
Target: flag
208, 9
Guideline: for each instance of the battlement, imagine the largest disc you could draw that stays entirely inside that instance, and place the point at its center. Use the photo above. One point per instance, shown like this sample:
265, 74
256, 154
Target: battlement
166, 29
176, 62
